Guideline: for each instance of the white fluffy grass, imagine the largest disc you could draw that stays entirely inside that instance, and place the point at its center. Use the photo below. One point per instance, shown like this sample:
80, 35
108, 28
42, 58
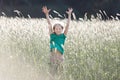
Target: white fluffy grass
91, 50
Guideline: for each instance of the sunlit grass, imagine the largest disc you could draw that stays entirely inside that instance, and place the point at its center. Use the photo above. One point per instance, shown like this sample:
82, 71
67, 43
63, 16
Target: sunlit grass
92, 49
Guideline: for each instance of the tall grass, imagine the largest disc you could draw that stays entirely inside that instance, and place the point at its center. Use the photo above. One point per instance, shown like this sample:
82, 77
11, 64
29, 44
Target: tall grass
92, 49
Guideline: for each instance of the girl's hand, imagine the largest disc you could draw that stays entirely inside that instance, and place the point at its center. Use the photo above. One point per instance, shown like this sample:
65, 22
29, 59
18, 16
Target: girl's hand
69, 11
45, 10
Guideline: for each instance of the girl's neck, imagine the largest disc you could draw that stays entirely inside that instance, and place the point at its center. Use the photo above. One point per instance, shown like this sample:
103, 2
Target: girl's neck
57, 34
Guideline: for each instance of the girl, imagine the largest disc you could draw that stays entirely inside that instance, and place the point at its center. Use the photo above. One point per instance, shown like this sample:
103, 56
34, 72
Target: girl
57, 39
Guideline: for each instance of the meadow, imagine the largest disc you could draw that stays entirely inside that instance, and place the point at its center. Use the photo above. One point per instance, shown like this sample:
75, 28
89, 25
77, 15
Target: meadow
92, 49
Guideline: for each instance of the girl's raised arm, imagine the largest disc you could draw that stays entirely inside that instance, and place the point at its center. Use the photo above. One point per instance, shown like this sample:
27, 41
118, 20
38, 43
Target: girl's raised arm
69, 12
46, 11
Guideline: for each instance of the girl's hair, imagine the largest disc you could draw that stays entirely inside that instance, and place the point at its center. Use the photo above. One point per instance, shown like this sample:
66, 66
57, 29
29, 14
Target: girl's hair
56, 25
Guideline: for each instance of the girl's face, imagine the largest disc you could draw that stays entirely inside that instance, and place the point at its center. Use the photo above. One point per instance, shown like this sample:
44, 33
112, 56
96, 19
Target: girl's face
58, 29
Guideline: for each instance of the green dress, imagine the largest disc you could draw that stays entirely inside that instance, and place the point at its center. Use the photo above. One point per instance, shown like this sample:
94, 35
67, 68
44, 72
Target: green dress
57, 42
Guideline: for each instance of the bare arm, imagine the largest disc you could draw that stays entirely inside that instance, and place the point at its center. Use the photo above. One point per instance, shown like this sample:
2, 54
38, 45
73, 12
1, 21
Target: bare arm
46, 12
69, 19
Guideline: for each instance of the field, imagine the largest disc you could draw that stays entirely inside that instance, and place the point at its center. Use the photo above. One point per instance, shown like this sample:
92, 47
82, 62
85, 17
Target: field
92, 49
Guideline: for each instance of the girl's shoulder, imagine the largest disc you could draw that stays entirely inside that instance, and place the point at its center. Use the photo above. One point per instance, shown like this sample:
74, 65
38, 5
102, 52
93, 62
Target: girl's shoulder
62, 35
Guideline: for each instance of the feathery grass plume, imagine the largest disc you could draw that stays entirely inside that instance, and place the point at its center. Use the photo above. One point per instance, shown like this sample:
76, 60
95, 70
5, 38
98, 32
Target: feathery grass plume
92, 18
85, 16
29, 16
118, 14
112, 17
4, 14
51, 16
101, 12
106, 15
81, 19
116, 18
99, 16
64, 16
74, 17
19, 13
57, 13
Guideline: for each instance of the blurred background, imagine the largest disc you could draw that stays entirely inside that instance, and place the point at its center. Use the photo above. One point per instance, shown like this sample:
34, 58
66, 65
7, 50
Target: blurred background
32, 8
